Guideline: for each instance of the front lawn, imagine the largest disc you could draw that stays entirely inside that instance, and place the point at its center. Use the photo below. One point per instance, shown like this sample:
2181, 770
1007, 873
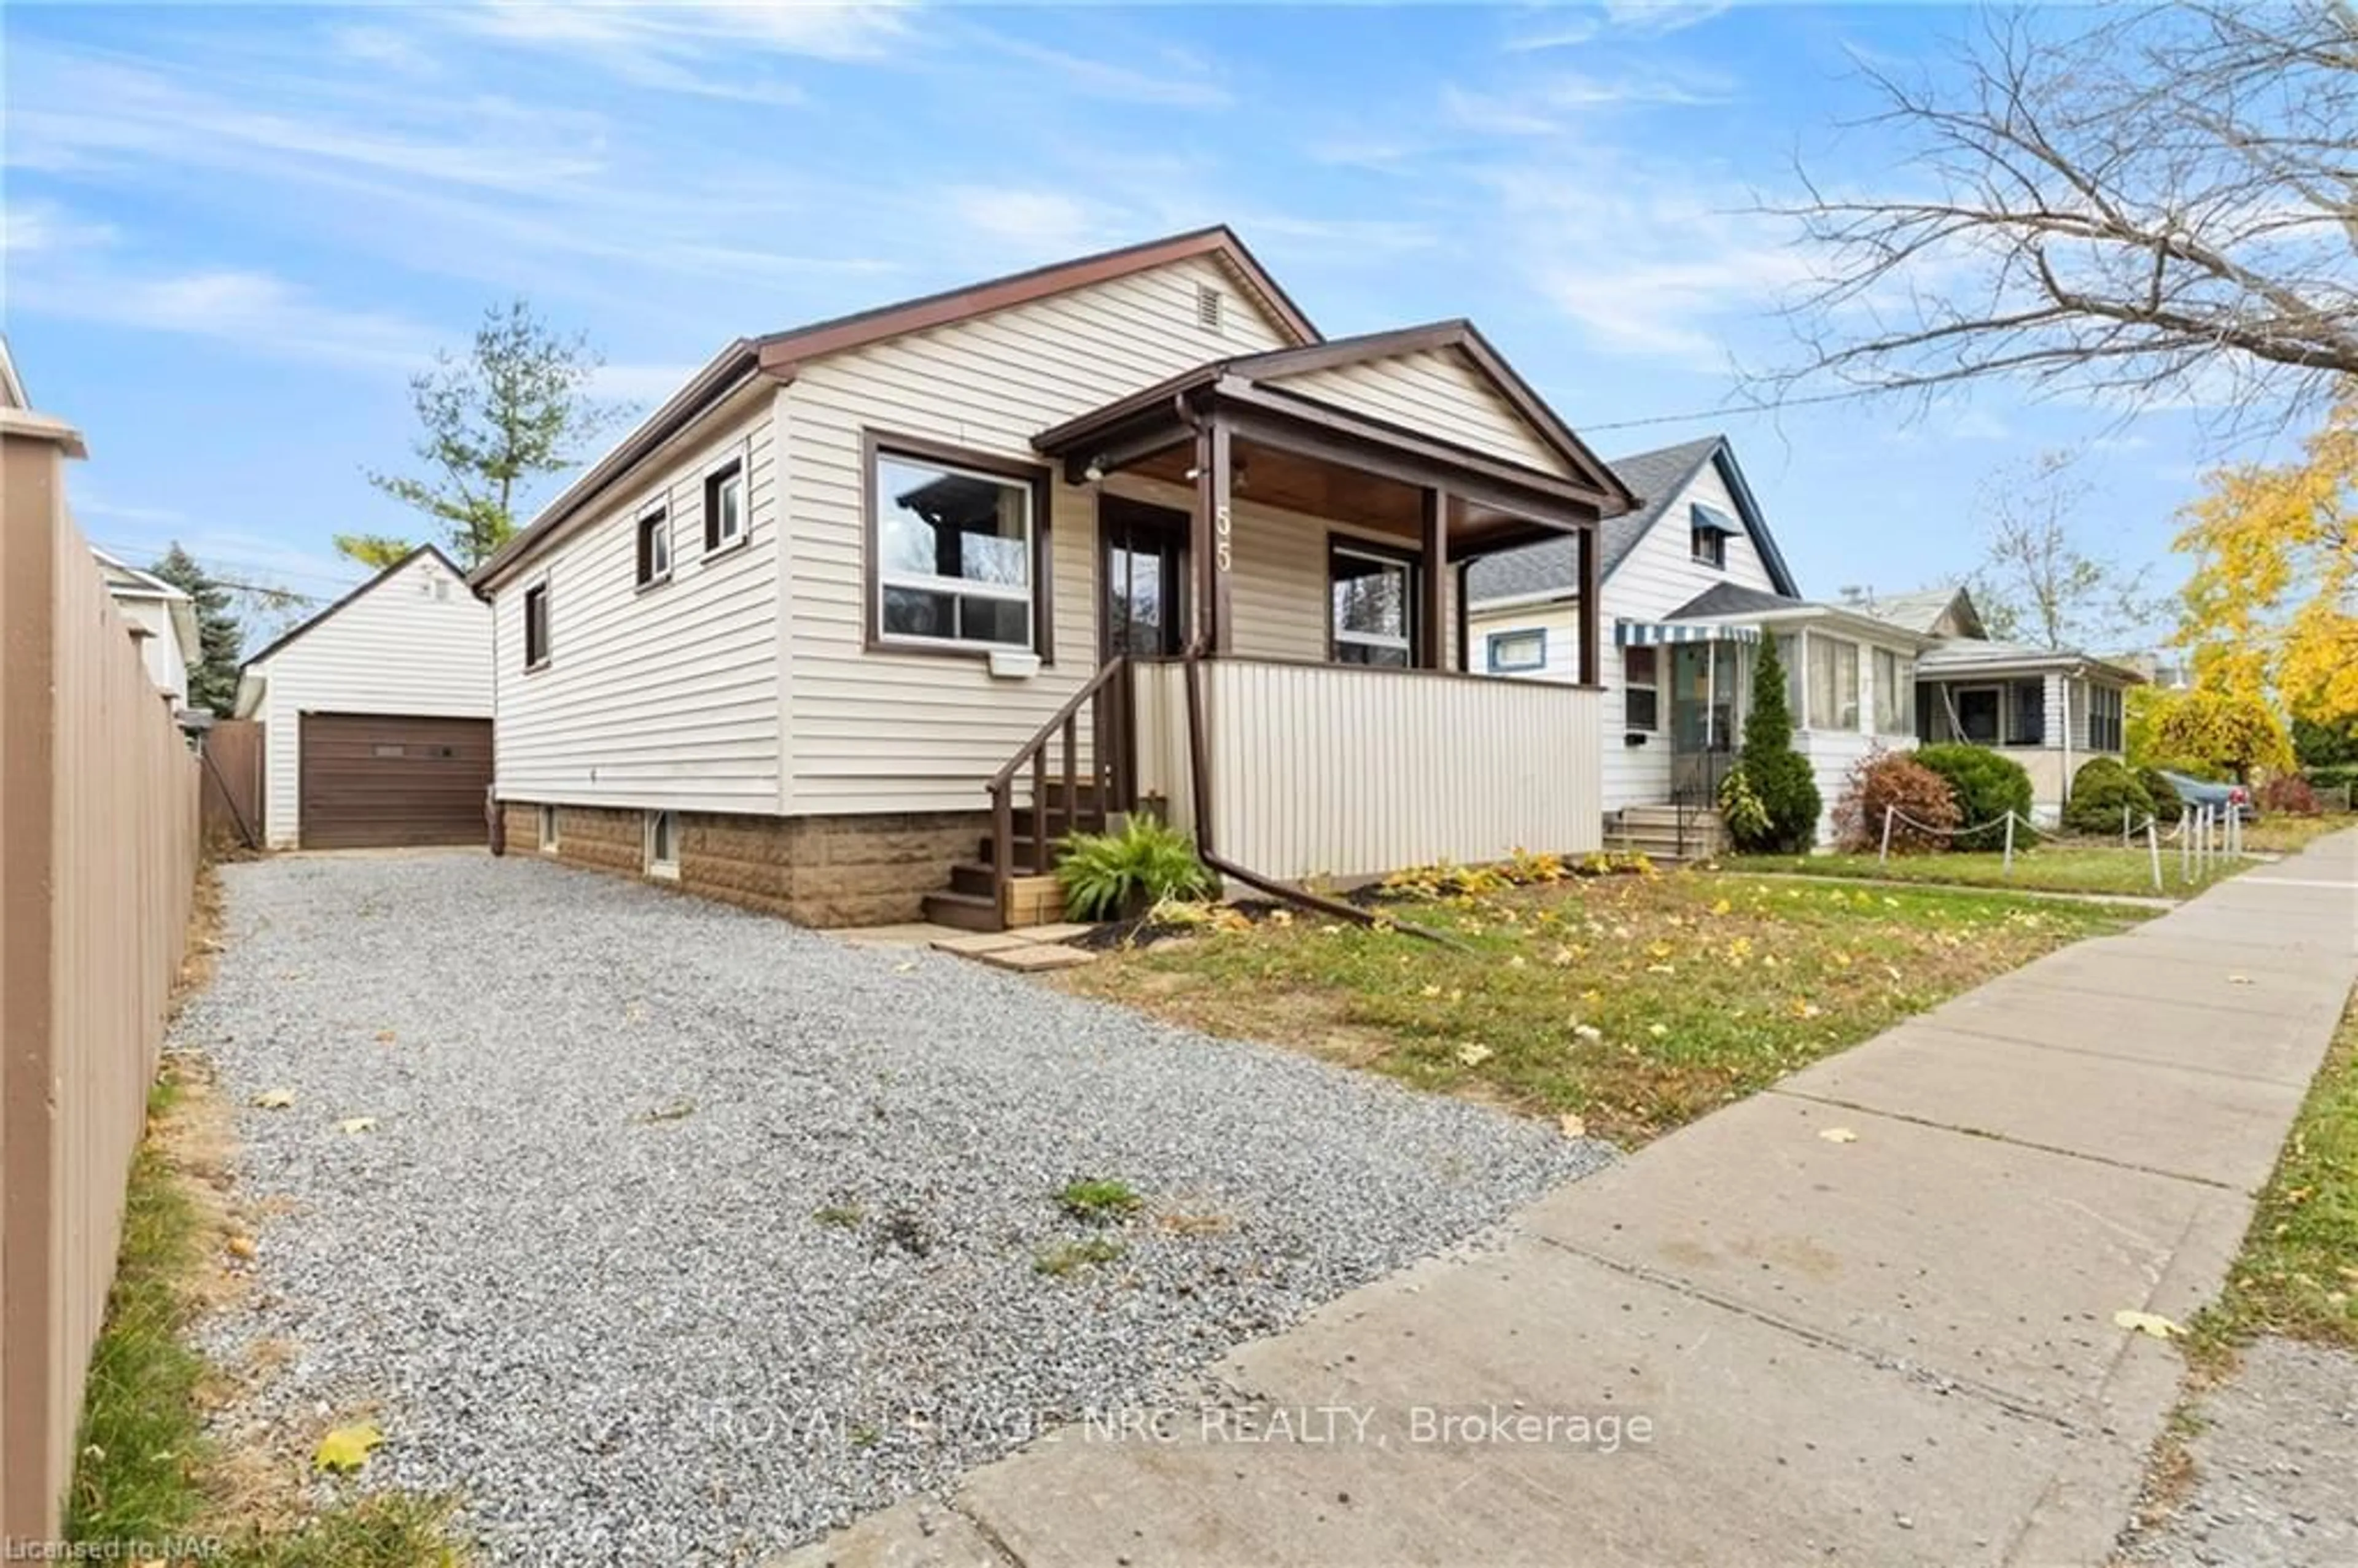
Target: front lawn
2283, 835
2098, 869
1632, 1003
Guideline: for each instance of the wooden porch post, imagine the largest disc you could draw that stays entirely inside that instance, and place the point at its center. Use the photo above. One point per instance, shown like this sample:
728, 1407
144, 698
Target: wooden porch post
1432, 615
1214, 542
1592, 670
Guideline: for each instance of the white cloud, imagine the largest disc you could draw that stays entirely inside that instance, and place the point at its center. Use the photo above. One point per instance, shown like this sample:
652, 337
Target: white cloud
1654, 17
1046, 221
256, 311
30, 227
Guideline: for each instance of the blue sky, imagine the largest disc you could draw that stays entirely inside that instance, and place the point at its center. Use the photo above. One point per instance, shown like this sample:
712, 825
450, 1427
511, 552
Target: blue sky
232, 233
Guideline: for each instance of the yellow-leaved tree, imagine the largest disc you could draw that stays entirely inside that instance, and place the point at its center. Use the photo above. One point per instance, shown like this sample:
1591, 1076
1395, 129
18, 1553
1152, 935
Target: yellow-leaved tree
2270, 612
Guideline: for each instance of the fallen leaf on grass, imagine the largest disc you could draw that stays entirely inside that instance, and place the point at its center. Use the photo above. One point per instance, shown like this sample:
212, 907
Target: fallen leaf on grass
1473, 1053
274, 1100
347, 1448
242, 1246
1839, 1135
2148, 1322
1573, 1125
358, 1123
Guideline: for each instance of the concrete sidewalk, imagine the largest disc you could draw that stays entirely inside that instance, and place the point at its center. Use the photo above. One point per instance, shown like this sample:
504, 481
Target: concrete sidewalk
1893, 1345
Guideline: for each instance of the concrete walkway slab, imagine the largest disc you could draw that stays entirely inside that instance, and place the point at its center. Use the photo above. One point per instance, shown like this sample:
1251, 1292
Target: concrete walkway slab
1760, 1447
1979, 1261
2280, 1048
2180, 1121
2158, 974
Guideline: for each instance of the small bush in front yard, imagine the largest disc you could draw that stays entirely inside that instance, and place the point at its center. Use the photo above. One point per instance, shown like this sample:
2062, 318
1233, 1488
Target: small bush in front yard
1106, 876
2166, 805
1987, 783
2289, 795
1924, 808
2101, 791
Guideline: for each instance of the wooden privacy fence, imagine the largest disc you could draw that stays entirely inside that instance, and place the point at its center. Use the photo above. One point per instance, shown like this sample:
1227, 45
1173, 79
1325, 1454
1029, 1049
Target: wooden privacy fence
98, 859
230, 790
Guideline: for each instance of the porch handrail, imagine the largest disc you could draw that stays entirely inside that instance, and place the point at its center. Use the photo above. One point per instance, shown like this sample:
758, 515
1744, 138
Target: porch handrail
1109, 771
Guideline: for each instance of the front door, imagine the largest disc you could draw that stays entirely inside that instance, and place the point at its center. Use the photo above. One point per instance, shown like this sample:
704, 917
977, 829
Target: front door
1142, 578
1706, 716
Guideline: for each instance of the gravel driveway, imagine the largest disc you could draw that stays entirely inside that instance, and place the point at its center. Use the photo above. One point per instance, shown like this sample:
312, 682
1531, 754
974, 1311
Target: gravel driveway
683, 1234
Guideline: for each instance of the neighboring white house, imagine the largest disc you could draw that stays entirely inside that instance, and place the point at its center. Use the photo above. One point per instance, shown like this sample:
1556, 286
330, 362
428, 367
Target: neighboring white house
163, 621
873, 613
376, 714
1689, 581
2048, 708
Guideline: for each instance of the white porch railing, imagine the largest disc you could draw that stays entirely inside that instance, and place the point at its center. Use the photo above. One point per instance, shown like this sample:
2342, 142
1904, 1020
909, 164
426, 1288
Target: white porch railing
1343, 770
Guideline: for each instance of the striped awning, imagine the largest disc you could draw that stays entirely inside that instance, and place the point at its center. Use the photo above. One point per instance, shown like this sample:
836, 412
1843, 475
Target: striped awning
1654, 633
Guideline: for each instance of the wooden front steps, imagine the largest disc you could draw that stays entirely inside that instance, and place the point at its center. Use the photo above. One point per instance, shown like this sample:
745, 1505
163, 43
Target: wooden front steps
1034, 897
1656, 832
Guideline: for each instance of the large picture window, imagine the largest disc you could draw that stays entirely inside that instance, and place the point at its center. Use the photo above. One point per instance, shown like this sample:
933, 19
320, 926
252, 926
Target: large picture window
955, 547
1373, 599
1833, 684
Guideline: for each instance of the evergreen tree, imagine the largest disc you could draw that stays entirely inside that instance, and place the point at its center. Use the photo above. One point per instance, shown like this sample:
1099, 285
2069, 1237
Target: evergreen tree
1771, 770
221, 645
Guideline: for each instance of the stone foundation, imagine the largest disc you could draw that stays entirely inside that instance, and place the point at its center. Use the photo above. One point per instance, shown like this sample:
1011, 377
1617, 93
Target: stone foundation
815, 870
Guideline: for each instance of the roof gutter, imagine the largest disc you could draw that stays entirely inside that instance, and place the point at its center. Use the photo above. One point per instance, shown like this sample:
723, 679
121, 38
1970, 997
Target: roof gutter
730, 372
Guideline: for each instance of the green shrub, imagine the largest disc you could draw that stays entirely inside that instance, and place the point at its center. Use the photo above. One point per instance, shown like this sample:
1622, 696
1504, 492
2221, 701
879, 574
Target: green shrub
1106, 876
2166, 807
1925, 807
2101, 791
1987, 786
2339, 775
1771, 771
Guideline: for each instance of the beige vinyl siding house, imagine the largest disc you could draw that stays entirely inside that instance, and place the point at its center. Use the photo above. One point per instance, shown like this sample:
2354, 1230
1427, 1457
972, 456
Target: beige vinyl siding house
982, 530
412, 644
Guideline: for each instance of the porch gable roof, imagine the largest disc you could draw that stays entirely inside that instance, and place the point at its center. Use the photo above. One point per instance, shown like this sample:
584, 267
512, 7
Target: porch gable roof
1155, 416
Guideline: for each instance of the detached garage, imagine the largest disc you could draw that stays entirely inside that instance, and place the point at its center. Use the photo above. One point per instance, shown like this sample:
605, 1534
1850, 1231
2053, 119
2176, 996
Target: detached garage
376, 715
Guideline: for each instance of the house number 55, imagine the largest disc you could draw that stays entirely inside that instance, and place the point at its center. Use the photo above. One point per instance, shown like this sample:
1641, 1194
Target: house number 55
1223, 551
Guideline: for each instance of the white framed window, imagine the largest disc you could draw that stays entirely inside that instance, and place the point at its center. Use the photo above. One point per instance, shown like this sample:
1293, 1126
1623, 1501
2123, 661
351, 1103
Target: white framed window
954, 548
654, 547
1833, 684
1895, 693
663, 843
724, 507
1641, 695
1373, 599
548, 830
2105, 710
1519, 652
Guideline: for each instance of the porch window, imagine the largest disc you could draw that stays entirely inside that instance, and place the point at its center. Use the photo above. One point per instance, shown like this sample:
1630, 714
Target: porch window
1977, 713
1641, 690
1788, 655
955, 551
1373, 595
1895, 693
2103, 718
1513, 652
1833, 684
2026, 714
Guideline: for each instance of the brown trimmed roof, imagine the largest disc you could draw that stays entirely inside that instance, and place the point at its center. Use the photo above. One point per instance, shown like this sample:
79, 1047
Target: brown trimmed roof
781, 351
777, 354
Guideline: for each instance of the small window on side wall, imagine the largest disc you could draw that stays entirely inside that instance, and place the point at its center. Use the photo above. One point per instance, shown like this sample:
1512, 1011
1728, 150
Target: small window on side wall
1518, 653
654, 547
663, 843
724, 507
536, 626
1641, 697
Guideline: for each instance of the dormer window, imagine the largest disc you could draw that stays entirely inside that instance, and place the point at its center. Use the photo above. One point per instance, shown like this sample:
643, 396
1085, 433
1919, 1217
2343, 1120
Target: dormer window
1707, 533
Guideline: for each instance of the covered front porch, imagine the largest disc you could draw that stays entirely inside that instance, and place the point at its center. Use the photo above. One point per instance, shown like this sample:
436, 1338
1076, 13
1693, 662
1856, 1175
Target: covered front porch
1281, 634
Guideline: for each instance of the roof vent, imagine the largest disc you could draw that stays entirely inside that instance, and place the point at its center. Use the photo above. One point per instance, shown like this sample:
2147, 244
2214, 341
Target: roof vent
1207, 308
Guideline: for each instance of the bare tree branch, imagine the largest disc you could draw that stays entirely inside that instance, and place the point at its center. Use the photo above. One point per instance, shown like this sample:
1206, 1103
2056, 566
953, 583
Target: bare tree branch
2162, 205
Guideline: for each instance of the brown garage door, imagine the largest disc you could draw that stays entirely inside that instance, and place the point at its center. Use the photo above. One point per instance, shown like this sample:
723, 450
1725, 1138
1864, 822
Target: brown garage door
370, 779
